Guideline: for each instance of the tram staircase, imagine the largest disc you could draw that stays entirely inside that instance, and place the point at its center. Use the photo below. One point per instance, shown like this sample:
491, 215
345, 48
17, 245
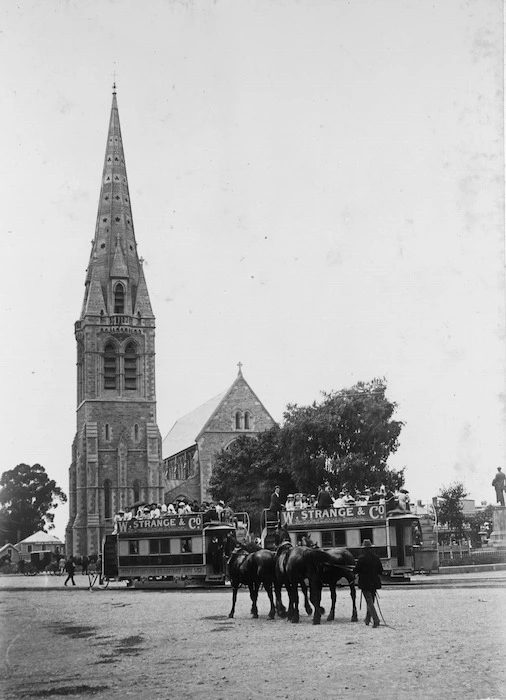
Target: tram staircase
269, 534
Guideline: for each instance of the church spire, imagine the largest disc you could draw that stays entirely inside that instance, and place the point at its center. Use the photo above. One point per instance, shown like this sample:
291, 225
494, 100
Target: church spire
114, 250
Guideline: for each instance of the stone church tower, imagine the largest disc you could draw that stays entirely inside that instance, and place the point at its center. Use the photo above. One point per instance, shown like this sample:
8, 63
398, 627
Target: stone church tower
116, 454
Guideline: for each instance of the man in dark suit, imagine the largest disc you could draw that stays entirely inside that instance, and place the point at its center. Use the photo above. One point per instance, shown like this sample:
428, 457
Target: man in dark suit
369, 569
275, 506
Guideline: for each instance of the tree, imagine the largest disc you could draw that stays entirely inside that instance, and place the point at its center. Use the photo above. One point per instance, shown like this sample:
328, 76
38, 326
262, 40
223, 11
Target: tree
346, 439
246, 472
481, 521
450, 509
27, 495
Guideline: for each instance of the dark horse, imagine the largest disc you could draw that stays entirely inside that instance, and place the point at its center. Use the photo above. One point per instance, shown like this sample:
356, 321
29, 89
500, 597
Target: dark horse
296, 565
341, 565
252, 569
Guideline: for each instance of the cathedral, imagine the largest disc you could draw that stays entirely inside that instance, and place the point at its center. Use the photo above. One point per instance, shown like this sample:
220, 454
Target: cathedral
117, 450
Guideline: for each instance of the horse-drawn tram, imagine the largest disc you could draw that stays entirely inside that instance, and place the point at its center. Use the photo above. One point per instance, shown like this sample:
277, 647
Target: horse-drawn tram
174, 551
391, 533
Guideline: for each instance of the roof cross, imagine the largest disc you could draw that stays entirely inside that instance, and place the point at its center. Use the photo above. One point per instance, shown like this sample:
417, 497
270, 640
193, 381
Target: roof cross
239, 364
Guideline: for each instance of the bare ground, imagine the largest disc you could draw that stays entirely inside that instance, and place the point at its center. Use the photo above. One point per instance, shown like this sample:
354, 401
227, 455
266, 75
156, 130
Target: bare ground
118, 643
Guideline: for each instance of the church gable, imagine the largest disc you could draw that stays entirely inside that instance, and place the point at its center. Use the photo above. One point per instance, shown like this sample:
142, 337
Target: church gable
240, 410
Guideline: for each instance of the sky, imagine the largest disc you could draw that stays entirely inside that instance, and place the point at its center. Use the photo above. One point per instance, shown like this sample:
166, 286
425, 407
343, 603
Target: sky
317, 190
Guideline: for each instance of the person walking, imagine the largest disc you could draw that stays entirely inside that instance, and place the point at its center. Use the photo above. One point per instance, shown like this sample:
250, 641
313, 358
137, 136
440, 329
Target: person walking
369, 568
499, 483
70, 569
85, 562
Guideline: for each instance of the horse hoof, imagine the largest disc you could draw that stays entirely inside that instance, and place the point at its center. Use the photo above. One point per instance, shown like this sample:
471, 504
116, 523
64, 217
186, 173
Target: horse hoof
330, 618
231, 615
316, 622
354, 618
255, 616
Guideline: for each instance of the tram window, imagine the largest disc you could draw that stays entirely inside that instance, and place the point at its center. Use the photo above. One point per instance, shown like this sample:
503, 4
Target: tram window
327, 539
366, 534
186, 545
133, 547
340, 538
165, 546
154, 546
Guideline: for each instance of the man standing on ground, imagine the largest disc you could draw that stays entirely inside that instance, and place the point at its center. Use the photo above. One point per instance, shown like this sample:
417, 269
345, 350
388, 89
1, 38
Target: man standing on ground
369, 569
499, 483
70, 569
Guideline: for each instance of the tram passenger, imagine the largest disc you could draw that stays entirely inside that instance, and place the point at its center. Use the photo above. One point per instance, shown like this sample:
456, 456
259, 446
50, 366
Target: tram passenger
297, 501
376, 496
348, 498
290, 502
170, 509
369, 568
155, 511
325, 498
339, 501
390, 500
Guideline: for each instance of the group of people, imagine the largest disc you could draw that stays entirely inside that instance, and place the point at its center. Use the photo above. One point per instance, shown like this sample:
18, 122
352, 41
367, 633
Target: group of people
215, 510
327, 498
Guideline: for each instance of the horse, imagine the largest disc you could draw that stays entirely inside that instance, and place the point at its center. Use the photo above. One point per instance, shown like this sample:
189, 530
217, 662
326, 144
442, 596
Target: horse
340, 566
253, 568
296, 565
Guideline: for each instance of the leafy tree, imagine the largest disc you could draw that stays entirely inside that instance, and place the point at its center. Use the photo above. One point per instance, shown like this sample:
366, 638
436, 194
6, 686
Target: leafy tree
479, 521
450, 508
244, 474
27, 495
345, 439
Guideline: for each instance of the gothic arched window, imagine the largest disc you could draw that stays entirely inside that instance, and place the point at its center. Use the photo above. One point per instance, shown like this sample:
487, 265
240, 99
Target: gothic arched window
110, 366
119, 299
238, 420
137, 490
136, 432
107, 432
247, 420
130, 368
107, 499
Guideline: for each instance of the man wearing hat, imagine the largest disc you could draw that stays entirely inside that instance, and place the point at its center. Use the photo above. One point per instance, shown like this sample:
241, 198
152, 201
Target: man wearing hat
369, 568
275, 506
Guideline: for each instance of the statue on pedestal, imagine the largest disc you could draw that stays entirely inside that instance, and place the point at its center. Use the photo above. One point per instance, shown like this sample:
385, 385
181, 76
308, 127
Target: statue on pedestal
499, 484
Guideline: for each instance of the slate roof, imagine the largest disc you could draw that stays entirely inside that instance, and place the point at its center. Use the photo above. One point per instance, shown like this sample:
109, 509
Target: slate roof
185, 430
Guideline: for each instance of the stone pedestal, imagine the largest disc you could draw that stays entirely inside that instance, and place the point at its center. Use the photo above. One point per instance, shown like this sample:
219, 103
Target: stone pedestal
498, 534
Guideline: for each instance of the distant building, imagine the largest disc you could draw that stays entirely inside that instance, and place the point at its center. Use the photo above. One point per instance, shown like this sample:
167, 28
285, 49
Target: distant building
40, 542
10, 550
190, 447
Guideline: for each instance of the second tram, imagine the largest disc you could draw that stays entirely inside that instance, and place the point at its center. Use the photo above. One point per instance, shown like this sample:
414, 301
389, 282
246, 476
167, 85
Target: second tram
391, 533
